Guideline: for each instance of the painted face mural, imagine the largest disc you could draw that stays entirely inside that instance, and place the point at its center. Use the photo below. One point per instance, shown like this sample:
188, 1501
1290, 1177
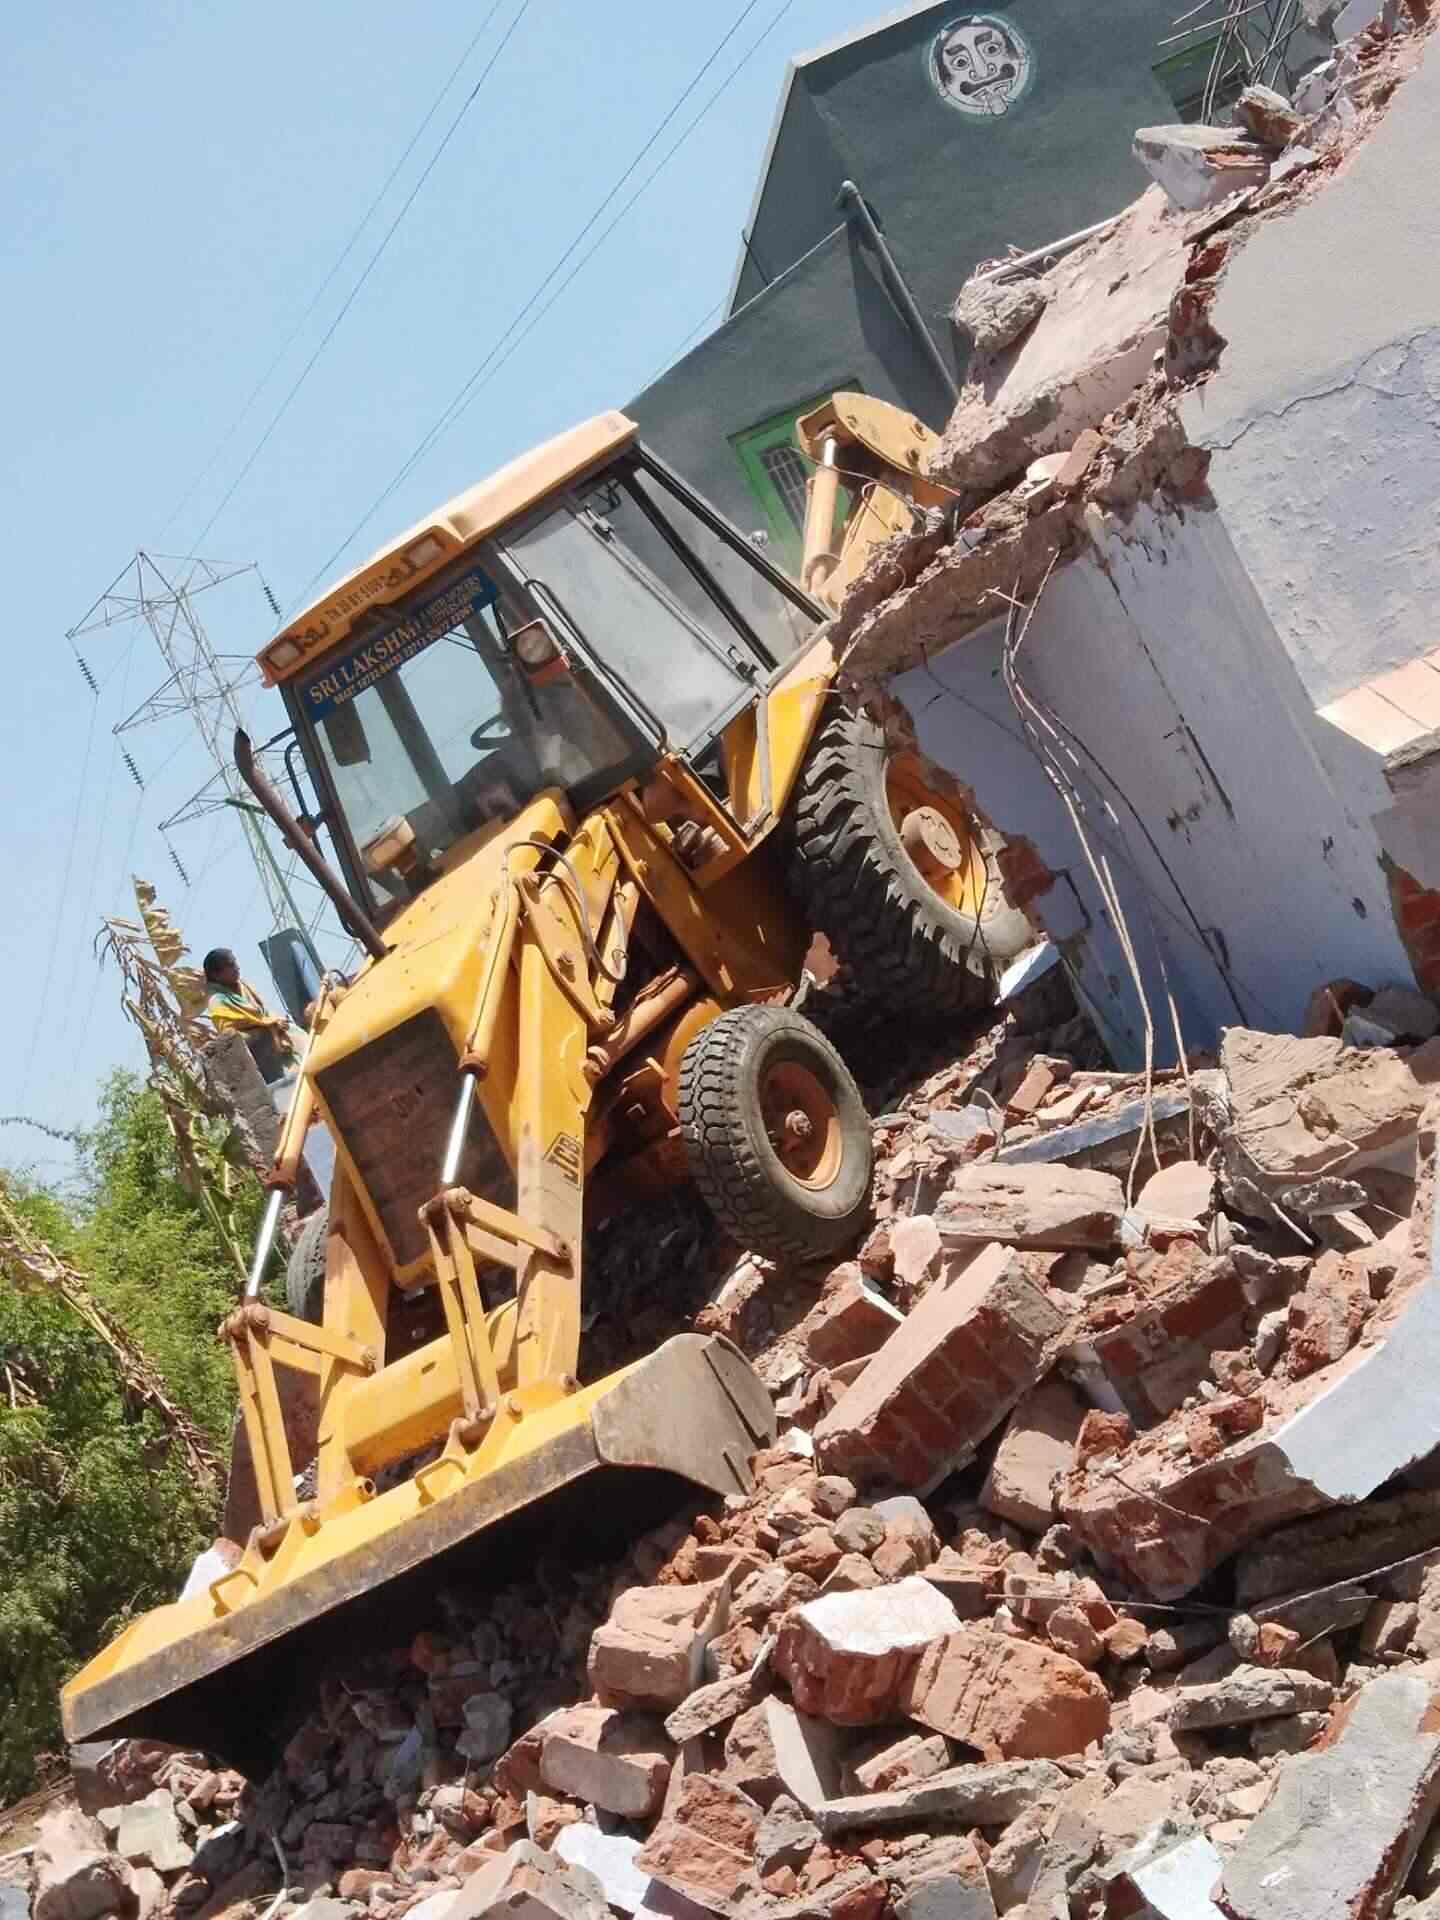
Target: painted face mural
981, 64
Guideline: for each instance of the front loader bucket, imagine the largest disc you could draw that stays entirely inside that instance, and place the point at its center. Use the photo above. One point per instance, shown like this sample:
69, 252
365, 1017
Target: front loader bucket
227, 1669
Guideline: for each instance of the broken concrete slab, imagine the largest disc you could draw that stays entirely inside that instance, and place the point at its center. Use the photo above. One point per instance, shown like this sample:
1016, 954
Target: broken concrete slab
848, 1657
980, 1796
1010, 1699
1082, 356
651, 1651
1036, 1449
1301, 1110
610, 1857
1248, 1693
1049, 1208
1338, 1546
1199, 167
945, 1379
1107, 1135
1185, 1190
1174, 1876
1342, 1824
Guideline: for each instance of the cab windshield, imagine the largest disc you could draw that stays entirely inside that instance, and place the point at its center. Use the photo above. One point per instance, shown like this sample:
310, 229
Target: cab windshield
431, 729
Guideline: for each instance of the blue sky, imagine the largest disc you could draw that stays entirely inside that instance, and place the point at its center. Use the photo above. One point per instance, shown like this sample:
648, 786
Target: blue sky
179, 182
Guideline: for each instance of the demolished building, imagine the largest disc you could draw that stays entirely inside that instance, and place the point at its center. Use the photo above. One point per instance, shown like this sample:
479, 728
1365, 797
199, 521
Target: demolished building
1232, 646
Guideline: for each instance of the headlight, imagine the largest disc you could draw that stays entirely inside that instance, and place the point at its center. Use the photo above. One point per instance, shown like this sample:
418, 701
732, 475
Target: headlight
535, 645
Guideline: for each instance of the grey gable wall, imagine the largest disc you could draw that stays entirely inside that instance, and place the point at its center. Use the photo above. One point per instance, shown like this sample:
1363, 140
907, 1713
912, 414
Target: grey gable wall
827, 322
950, 189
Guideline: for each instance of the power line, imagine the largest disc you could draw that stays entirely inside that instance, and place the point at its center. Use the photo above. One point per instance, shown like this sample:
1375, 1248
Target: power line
324, 286
369, 268
490, 365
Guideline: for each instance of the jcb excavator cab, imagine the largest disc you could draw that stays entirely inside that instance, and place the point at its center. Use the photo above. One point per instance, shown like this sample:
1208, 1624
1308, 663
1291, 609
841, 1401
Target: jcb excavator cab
571, 748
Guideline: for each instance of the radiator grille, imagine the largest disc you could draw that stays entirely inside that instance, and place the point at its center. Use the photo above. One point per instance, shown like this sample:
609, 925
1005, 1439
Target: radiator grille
393, 1102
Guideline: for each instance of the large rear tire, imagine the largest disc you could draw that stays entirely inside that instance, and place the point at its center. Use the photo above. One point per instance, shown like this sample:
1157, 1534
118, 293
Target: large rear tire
888, 867
305, 1271
776, 1132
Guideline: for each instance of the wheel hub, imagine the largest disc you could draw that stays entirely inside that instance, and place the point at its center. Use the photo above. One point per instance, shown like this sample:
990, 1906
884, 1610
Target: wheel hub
801, 1123
931, 842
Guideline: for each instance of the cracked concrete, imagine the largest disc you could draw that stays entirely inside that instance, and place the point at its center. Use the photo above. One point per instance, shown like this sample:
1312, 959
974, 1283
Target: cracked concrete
1334, 354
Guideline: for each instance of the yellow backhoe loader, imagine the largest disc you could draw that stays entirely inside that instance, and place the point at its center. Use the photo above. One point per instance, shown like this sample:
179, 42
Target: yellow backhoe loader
587, 790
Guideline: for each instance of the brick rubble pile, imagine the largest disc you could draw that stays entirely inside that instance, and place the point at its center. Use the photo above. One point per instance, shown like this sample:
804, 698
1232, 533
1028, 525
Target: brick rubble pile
1096, 1571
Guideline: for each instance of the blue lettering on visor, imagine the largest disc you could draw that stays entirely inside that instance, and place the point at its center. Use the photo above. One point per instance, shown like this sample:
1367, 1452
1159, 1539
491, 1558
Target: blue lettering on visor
351, 673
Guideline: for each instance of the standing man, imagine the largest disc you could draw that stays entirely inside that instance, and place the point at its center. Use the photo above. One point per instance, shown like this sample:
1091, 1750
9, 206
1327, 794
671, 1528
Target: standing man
235, 1007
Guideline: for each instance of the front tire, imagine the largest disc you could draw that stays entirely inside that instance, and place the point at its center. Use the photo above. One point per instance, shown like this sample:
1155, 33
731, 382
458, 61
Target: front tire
776, 1132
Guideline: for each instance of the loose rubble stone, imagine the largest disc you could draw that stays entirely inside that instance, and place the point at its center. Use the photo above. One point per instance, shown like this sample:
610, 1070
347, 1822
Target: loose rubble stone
946, 1378
850, 1320
786, 1837
1036, 1449
1249, 1693
952, 1886
613, 1761
704, 1844
1327, 1316
1049, 1206
651, 1650
1342, 1825
1010, 1699
900, 1763
849, 1656
1200, 166
774, 1749
529, 1884
76, 1878
711, 1706
1269, 118
994, 314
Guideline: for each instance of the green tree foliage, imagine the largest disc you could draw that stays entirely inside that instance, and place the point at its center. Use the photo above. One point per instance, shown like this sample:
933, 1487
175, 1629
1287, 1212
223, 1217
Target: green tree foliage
100, 1514
155, 1255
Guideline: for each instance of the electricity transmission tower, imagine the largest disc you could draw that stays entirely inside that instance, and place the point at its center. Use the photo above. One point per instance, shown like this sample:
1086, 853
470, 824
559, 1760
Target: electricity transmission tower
160, 591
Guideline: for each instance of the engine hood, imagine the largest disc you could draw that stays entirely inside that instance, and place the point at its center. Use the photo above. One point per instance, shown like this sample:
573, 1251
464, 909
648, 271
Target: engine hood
437, 944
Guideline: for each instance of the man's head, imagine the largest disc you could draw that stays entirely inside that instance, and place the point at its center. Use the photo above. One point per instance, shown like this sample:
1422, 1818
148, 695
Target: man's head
222, 969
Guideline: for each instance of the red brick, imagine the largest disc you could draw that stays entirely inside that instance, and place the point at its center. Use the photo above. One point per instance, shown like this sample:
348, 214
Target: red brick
990, 1328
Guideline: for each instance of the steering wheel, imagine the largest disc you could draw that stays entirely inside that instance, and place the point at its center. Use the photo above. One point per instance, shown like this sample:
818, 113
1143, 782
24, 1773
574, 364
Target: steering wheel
491, 733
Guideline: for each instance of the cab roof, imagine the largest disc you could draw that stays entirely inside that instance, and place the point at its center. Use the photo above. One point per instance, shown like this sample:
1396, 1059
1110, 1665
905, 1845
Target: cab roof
436, 540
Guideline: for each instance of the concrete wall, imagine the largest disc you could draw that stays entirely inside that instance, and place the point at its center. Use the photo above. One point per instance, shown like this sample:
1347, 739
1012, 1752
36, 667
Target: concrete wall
1163, 661
1324, 416
952, 188
826, 323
